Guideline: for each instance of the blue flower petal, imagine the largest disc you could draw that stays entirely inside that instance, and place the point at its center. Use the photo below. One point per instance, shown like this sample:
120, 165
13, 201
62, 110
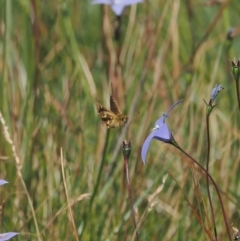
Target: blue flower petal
130, 2
109, 2
117, 5
145, 146
215, 91
7, 236
160, 121
160, 132
2, 182
163, 134
118, 8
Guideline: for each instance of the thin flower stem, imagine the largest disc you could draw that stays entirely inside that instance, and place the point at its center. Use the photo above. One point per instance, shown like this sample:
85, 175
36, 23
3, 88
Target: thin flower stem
207, 178
209, 234
214, 184
238, 95
130, 198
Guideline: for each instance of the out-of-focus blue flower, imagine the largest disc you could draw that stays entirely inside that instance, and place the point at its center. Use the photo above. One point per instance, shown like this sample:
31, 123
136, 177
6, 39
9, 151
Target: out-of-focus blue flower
160, 132
117, 5
7, 236
2, 182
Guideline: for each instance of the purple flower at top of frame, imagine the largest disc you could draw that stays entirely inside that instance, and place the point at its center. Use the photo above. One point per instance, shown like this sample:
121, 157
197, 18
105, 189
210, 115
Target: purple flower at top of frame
117, 5
7, 236
2, 182
160, 132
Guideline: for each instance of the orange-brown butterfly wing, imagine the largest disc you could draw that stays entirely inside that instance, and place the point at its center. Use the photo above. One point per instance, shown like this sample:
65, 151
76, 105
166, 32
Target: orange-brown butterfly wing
106, 115
112, 118
114, 106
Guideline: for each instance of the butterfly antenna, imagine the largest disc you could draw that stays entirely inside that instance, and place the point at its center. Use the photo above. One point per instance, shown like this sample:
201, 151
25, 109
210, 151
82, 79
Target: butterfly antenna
111, 88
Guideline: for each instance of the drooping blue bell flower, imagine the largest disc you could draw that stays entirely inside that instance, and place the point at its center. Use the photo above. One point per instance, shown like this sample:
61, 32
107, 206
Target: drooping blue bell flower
160, 132
117, 5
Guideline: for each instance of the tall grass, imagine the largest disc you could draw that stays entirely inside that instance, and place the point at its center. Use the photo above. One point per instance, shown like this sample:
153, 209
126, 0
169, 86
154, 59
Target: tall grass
57, 58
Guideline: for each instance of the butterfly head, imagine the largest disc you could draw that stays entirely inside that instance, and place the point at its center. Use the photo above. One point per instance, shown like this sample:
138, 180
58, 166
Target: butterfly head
124, 119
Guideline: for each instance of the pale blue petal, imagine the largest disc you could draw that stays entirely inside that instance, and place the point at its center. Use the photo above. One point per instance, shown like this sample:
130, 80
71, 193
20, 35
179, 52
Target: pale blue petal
215, 91
160, 121
130, 2
2, 182
7, 236
163, 134
109, 2
118, 8
160, 132
145, 146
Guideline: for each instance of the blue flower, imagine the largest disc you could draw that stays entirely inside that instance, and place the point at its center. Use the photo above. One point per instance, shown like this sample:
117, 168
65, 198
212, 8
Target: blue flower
7, 236
117, 5
2, 182
215, 92
160, 132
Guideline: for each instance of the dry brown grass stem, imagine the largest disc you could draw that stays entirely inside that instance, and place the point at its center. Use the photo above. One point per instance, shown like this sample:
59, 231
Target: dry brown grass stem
68, 200
19, 173
152, 197
63, 208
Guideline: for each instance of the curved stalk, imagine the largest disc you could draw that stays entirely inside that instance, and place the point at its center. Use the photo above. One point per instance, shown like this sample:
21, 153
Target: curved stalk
207, 179
214, 184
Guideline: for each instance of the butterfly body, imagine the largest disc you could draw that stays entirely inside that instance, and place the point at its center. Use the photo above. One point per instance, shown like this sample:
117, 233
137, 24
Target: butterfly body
112, 118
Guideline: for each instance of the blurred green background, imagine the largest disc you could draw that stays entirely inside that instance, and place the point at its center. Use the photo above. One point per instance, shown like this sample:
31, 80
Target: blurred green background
57, 58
